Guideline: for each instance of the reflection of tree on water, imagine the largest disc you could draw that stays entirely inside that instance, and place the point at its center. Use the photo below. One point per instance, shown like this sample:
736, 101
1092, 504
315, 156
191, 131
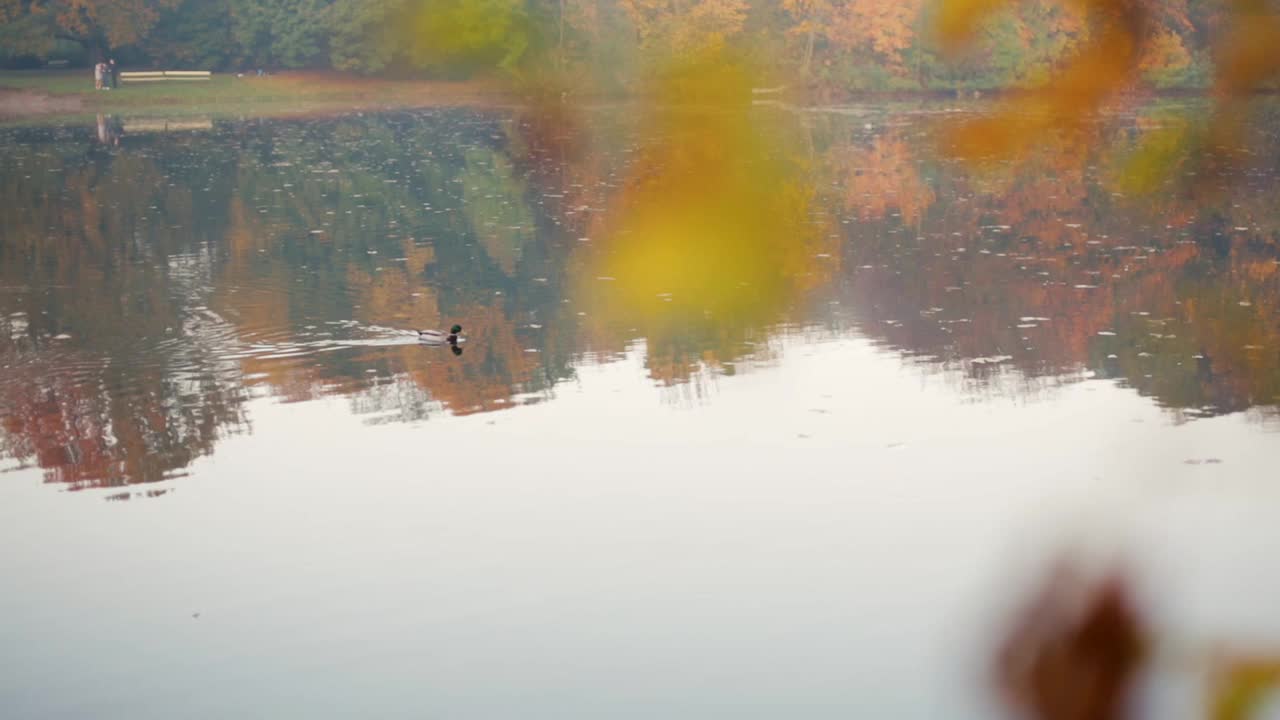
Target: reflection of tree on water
189, 272
134, 413
1041, 267
110, 129
103, 384
276, 231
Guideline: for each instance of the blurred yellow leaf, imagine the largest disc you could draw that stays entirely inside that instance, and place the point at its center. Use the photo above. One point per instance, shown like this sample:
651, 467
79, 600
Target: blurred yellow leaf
1240, 688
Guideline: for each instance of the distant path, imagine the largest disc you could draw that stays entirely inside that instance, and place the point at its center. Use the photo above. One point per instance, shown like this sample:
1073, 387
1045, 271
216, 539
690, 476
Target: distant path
18, 103
29, 93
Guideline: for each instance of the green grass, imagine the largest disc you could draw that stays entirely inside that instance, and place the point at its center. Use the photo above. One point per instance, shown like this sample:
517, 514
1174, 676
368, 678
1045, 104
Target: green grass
224, 94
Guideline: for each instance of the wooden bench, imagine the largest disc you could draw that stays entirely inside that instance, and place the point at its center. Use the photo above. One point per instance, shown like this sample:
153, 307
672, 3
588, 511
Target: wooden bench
157, 75
159, 125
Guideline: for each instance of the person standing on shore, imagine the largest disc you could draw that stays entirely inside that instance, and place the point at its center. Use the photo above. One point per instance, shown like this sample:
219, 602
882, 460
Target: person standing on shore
97, 76
113, 74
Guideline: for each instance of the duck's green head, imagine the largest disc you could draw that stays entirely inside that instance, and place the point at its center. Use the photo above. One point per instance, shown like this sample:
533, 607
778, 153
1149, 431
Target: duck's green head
455, 329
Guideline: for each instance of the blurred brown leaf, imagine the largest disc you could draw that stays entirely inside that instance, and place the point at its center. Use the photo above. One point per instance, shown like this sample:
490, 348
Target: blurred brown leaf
1074, 653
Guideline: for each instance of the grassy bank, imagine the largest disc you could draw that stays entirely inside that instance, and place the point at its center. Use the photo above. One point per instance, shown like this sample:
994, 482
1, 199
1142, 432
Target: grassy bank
28, 93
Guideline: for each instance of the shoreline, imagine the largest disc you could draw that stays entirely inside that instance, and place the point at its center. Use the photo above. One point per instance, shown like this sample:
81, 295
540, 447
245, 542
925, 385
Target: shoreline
41, 95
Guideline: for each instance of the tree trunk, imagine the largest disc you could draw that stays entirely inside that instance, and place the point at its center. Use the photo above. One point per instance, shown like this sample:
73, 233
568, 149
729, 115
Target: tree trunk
808, 52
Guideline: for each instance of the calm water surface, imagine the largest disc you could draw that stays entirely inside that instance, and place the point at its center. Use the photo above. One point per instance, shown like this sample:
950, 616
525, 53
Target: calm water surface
799, 465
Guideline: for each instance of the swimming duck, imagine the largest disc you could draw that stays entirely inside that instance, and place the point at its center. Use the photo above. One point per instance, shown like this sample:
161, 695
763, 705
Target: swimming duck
440, 337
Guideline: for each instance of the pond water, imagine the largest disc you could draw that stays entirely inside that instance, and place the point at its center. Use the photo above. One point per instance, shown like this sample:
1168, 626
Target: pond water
755, 414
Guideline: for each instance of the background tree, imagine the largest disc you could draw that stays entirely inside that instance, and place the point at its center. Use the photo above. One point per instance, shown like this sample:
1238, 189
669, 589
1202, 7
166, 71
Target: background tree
363, 39
280, 33
590, 45
195, 33
96, 25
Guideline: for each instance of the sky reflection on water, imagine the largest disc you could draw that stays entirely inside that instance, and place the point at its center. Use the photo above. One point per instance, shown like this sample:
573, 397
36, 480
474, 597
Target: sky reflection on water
607, 554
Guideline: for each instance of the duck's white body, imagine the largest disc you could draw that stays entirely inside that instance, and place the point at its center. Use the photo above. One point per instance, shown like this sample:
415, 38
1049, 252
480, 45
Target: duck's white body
437, 337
